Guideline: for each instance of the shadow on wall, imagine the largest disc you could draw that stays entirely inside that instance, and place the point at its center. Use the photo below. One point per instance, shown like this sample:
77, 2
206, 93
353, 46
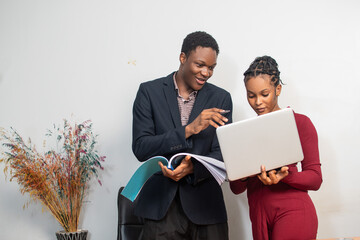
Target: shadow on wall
229, 75
238, 214
330, 189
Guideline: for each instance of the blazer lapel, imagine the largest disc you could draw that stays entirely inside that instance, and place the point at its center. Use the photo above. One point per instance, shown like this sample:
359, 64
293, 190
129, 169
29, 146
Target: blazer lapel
171, 99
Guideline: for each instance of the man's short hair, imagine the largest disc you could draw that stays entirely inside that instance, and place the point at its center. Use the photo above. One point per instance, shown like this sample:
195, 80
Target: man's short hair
198, 39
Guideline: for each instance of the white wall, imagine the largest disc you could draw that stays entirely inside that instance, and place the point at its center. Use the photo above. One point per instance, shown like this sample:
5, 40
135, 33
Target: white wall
84, 59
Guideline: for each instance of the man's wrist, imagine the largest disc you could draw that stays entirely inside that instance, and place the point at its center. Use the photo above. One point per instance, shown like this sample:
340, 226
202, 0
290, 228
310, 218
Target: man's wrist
188, 131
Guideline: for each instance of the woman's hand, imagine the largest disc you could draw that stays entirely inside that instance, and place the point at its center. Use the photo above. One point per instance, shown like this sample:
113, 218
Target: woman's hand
186, 167
273, 176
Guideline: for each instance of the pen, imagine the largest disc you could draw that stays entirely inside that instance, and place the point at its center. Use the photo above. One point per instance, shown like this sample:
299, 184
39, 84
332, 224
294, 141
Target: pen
224, 111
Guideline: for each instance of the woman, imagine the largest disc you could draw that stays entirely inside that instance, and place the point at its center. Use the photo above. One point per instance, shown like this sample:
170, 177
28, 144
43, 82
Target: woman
280, 207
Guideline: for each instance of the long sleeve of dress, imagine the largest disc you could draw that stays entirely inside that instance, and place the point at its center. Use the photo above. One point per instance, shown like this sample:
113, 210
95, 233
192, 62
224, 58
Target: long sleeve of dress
238, 186
310, 178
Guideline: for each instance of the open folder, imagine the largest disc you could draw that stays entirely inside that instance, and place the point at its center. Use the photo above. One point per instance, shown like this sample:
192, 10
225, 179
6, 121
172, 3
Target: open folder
271, 140
150, 166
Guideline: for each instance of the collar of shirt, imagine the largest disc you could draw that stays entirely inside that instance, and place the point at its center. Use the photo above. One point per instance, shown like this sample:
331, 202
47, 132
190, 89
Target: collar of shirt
191, 95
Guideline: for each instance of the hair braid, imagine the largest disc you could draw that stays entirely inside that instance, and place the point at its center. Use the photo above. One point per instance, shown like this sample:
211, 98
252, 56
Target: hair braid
264, 65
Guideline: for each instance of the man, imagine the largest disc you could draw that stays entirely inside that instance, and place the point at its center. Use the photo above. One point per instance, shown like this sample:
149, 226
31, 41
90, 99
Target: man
180, 113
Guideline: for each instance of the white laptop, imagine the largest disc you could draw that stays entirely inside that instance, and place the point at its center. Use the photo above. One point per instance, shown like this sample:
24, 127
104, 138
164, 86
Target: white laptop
271, 140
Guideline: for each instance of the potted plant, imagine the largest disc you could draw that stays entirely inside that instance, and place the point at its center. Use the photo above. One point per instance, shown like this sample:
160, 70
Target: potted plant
59, 178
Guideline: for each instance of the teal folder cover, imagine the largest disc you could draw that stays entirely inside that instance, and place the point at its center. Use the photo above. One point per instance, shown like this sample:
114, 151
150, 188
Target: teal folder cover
142, 174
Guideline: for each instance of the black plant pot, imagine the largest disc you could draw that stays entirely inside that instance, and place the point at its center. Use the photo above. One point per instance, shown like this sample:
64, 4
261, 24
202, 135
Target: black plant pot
78, 235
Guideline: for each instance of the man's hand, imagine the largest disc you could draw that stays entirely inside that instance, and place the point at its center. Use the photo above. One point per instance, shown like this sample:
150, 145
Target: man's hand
186, 167
207, 117
273, 176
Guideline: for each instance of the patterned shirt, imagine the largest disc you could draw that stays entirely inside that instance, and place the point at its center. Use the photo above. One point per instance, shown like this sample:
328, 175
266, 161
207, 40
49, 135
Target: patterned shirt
185, 105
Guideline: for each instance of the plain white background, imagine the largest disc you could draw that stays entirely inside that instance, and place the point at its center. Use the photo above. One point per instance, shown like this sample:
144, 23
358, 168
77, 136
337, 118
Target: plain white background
85, 59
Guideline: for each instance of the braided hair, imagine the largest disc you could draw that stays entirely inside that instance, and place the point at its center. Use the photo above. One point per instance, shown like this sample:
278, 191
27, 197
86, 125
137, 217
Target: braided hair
264, 65
198, 39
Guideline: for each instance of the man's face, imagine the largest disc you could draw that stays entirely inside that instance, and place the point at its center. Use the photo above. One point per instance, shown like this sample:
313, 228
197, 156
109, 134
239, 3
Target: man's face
197, 68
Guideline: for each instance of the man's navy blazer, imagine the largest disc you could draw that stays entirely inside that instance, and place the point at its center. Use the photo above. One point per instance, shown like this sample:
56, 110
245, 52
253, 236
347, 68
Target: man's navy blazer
157, 130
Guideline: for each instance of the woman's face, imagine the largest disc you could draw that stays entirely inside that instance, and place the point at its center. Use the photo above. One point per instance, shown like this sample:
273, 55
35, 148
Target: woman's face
262, 95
